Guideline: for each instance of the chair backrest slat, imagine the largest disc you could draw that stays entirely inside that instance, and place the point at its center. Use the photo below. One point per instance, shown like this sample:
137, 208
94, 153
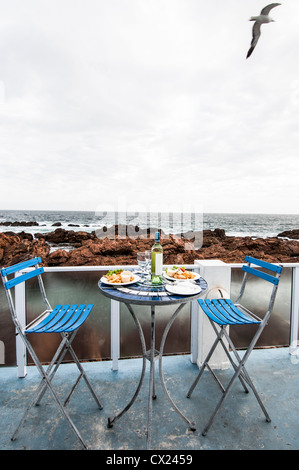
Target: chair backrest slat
261, 274
263, 264
24, 277
20, 266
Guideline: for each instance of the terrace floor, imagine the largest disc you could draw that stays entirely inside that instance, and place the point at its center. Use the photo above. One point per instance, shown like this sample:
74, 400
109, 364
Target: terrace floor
240, 424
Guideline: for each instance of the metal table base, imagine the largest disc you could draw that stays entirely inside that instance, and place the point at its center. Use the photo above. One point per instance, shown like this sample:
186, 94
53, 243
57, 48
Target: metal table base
140, 294
151, 355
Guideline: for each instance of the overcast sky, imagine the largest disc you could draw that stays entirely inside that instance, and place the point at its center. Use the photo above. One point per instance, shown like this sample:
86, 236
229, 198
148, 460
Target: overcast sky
145, 104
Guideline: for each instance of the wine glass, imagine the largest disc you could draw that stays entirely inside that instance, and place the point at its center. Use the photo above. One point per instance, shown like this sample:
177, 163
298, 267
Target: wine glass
141, 261
148, 257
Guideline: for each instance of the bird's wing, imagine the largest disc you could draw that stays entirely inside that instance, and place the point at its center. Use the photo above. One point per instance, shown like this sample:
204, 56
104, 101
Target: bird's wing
256, 32
266, 10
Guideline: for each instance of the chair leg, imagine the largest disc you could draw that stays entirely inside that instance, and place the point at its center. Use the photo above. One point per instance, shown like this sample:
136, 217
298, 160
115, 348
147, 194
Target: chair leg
56, 360
205, 363
242, 376
67, 347
82, 374
30, 405
247, 378
244, 372
238, 371
46, 382
65, 414
219, 338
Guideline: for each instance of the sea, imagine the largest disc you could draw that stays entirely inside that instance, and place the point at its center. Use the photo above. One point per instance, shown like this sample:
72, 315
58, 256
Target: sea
253, 225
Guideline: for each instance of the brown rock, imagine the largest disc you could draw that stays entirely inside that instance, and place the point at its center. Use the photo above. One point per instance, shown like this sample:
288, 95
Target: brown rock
16, 249
20, 224
91, 250
57, 258
290, 234
294, 249
60, 236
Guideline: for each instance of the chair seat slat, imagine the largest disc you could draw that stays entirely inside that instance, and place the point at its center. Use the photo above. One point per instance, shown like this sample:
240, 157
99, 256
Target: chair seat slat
68, 320
242, 315
211, 311
234, 315
63, 319
54, 316
34, 327
80, 319
59, 325
230, 316
69, 326
208, 312
55, 320
224, 312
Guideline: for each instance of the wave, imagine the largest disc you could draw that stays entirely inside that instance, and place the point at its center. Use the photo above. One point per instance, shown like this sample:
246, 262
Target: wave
252, 225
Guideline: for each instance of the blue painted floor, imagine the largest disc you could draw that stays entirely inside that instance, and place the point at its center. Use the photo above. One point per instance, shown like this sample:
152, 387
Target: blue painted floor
240, 424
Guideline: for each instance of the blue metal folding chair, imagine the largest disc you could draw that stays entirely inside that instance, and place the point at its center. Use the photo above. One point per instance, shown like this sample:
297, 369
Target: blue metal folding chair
222, 313
63, 319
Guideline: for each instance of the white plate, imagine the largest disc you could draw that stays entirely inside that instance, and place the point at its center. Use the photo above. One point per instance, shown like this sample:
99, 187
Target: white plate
197, 276
183, 288
116, 284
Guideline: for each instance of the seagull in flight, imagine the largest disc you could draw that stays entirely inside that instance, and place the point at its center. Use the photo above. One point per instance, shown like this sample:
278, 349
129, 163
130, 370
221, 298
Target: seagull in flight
259, 20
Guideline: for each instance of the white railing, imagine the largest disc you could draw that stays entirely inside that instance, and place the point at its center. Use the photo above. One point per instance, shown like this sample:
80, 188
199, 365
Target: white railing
20, 302
294, 311
216, 269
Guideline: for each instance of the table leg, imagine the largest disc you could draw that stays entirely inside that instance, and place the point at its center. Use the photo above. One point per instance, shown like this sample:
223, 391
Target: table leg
151, 357
137, 323
190, 423
151, 394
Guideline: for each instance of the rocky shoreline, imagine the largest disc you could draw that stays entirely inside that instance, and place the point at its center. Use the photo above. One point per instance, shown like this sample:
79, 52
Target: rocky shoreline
90, 249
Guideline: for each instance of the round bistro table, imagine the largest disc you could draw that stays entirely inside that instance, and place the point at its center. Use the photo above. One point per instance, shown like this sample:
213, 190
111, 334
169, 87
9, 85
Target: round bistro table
152, 296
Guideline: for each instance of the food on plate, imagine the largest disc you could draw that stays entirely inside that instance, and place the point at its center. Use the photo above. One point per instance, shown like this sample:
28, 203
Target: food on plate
180, 273
118, 276
126, 276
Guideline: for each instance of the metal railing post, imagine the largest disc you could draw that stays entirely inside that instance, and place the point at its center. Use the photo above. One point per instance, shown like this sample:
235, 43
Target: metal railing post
20, 304
294, 312
194, 332
218, 275
115, 333
194, 312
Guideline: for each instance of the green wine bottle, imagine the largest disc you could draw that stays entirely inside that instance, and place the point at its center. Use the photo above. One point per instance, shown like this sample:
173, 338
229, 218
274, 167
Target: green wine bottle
157, 261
